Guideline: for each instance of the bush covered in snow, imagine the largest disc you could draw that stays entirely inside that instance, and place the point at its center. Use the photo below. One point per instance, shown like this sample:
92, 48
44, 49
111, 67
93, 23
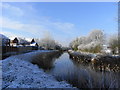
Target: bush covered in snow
90, 43
48, 42
114, 43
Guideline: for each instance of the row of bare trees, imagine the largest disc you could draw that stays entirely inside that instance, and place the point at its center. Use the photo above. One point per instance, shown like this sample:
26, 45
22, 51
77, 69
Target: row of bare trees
48, 42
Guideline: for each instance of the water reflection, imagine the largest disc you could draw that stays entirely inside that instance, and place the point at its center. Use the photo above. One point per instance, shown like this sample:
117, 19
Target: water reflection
101, 63
59, 61
62, 65
46, 60
78, 61
77, 71
107, 63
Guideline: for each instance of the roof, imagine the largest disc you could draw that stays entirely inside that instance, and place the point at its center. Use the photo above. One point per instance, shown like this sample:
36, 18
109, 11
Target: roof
3, 36
33, 44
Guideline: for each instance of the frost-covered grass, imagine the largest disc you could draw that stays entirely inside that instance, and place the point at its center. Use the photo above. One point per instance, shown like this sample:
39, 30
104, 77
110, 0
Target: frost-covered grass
100, 61
86, 78
18, 72
79, 53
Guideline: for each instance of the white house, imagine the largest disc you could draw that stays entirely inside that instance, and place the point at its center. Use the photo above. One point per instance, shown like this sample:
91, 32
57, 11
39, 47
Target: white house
106, 49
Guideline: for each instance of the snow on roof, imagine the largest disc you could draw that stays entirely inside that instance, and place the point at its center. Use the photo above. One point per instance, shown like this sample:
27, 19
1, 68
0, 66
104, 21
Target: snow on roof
21, 40
28, 39
105, 45
12, 38
33, 44
3, 36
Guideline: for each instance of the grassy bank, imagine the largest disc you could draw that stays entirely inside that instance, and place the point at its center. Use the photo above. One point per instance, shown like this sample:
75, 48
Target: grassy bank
87, 78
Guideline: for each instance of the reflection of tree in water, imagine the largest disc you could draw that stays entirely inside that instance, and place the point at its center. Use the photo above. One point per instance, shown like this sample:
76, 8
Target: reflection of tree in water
45, 60
100, 63
78, 60
106, 63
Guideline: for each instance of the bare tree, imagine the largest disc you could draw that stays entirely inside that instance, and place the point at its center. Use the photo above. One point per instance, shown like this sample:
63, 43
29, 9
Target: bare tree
48, 42
113, 42
94, 40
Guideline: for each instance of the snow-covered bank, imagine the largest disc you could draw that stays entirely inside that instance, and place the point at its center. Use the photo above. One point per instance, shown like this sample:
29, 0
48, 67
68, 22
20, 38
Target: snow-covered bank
29, 56
17, 72
92, 55
101, 61
82, 53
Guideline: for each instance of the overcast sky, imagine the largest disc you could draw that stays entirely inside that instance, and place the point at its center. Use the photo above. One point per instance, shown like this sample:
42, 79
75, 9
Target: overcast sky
64, 21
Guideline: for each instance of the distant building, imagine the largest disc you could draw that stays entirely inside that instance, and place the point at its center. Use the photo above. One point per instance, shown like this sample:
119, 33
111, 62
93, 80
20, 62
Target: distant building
14, 42
19, 42
106, 49
33, 41
34, 44
22, 42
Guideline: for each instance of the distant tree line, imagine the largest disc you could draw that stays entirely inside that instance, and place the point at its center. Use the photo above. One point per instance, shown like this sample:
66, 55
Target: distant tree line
94, 42
48, 43
114, 43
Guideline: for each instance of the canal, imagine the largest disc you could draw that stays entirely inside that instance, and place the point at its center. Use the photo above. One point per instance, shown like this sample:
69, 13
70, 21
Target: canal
76, 72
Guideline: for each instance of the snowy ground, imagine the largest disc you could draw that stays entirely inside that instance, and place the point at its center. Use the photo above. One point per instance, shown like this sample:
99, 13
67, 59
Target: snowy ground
91, 54
18, 72
77, 53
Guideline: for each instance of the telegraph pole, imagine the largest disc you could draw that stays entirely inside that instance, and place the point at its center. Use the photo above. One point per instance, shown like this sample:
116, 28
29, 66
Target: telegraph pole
119, 27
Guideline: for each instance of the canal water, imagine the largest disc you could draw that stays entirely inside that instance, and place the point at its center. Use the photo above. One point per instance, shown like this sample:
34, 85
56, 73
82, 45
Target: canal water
76, 72
64, 65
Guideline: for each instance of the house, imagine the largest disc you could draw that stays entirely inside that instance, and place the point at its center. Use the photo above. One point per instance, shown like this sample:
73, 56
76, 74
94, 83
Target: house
34, 45
14, 42
23, 42
19, 42
106, 49
33, 41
